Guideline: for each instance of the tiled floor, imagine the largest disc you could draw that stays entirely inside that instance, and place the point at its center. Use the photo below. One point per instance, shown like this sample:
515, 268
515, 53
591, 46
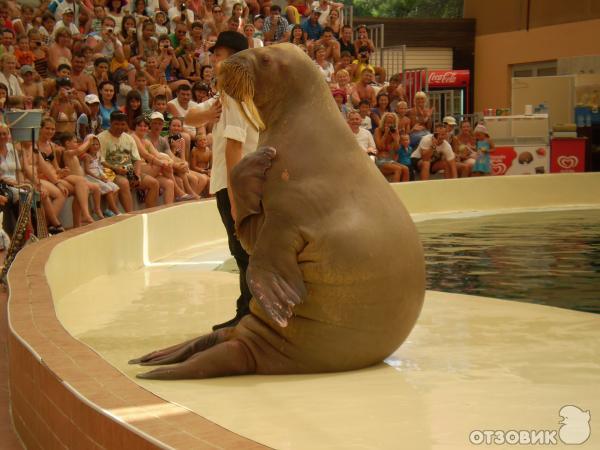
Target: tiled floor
8, 438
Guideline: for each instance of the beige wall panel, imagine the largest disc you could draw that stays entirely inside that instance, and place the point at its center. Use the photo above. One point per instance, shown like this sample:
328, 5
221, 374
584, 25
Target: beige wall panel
494, 54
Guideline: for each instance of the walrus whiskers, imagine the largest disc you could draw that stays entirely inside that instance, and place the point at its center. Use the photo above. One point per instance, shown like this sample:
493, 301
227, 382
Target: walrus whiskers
238, 83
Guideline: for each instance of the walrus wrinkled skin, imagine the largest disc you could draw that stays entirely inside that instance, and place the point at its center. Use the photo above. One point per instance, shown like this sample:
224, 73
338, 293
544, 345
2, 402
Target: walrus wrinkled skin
336, 267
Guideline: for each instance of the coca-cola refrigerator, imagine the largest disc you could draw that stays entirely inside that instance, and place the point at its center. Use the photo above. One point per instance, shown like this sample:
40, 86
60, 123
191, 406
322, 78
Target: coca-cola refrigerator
449, 91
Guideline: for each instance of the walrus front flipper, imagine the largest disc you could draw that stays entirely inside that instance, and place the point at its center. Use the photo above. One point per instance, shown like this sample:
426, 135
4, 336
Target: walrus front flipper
247, 181
273, 275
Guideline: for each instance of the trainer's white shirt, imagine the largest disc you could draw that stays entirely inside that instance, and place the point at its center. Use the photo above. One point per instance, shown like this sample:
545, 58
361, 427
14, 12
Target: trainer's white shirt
232, 124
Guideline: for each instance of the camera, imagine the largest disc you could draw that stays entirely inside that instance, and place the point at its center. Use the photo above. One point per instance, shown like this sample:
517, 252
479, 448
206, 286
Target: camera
131, 176
110, 30
182, 7
165, 46
392, 129
175, 137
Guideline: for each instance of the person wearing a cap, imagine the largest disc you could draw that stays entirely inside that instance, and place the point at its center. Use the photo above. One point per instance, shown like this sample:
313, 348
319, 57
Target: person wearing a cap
233, 138
450, 123
155, 134
68, 22
31, 88
311, 27
59, 7
340, 99
90, 123
484, 146
434, 154
325, 6
276, 27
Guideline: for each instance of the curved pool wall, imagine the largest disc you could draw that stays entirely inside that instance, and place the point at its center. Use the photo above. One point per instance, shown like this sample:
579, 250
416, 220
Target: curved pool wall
63, 394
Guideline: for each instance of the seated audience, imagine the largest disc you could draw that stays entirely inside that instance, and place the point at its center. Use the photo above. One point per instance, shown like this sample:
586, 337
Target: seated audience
434, 154
363, 137
465, 149
120, 154
387, 141
276, 27
363, 89
420, 118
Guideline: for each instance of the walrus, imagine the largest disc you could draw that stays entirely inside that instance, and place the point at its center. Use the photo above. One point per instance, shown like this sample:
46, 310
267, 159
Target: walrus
336, 265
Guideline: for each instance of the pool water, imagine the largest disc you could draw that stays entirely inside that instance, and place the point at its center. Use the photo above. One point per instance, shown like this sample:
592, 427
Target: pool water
551, 258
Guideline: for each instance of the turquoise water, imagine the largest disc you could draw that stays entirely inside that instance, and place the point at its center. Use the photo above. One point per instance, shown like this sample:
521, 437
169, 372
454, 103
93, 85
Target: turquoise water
550, 258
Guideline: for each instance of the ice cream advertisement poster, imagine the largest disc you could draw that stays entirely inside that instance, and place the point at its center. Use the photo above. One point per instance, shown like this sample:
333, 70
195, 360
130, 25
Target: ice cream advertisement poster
520, 160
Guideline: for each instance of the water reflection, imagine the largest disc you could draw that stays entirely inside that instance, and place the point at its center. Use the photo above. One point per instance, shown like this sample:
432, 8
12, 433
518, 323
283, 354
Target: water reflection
551, 258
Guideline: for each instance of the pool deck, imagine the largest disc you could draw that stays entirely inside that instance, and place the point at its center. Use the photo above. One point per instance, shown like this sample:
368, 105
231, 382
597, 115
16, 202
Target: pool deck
470, 363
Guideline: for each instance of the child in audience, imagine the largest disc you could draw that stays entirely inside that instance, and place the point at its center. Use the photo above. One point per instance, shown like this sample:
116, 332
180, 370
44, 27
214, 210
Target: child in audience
340, 99
159, 104
201, 155
30, 86
403, 154
181, 168
484, 146
71, 156
95, 173
92, 123
25, 56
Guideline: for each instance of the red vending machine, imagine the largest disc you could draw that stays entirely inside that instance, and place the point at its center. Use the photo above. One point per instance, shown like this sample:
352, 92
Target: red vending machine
568, 155
448, 90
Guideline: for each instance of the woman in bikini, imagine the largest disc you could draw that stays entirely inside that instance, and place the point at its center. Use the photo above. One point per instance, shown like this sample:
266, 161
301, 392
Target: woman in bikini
66, 108
54, 178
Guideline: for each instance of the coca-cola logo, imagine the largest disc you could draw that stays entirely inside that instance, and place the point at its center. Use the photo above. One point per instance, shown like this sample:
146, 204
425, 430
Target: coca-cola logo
442, 77
567, 162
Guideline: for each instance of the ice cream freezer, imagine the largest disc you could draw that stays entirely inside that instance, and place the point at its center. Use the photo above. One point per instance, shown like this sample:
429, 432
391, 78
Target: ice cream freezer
522, 144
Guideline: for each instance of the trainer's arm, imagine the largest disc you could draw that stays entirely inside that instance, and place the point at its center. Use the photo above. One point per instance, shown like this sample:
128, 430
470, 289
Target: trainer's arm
208, 111
233, 155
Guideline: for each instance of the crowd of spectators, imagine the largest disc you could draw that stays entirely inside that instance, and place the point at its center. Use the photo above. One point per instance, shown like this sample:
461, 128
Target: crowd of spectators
114, 79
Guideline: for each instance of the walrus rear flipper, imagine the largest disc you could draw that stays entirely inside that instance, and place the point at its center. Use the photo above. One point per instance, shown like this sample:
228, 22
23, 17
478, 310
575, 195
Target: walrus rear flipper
247, 181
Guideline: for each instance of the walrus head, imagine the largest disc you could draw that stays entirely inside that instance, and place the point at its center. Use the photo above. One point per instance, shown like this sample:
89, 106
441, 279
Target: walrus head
264, 81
